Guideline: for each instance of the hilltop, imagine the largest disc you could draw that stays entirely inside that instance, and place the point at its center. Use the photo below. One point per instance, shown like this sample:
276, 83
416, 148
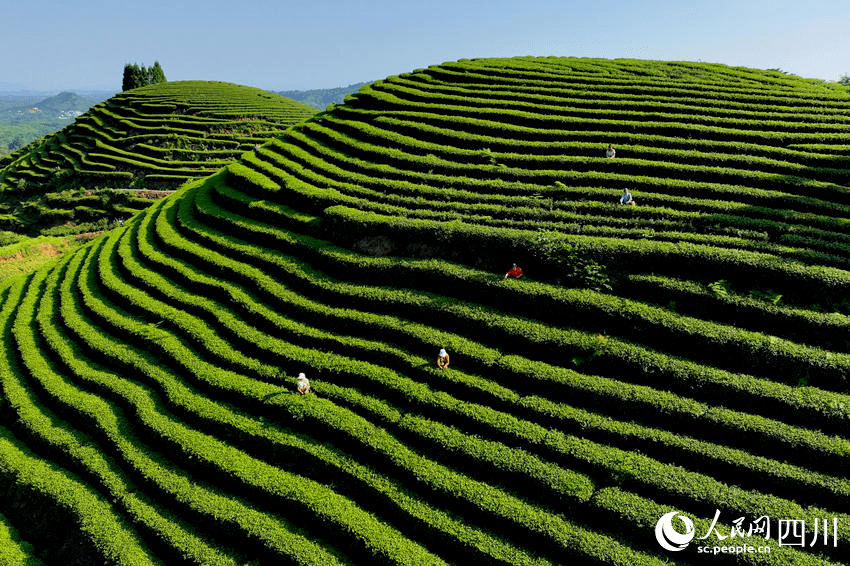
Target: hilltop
148, 139
687, 354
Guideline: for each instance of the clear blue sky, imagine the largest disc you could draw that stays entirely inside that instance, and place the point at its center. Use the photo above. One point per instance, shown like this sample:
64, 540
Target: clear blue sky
282, 45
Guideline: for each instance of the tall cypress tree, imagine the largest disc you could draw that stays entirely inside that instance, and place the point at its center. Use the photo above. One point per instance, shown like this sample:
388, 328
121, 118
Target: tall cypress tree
157, 74
128, 81
138, 76
144, 76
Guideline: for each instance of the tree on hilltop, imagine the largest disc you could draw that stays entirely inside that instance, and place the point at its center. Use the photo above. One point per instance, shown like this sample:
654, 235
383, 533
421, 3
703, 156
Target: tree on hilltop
136, 76
157, 75
132, 77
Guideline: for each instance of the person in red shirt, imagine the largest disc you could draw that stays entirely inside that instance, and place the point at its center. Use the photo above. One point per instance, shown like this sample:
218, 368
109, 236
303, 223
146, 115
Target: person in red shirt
514, 272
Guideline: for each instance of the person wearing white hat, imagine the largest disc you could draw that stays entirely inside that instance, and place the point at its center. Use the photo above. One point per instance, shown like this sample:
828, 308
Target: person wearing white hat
303, 385
443, 359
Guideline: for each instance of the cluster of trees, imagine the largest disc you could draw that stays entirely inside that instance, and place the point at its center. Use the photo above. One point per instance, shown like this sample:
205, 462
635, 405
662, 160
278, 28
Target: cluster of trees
136, 76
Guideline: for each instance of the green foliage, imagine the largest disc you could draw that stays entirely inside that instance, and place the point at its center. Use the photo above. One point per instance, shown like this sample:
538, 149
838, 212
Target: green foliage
132, 77
570, 264
156, 74
14, 551
769, 296
720, 288
136, 76
8, 238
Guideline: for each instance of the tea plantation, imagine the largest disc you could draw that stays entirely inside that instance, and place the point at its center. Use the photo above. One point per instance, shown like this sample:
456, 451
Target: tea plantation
689, 353
151, 139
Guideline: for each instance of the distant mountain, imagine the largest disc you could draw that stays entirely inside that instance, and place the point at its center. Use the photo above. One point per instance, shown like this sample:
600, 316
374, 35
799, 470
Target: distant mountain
63, 105
64, 102
26, 118
321, 97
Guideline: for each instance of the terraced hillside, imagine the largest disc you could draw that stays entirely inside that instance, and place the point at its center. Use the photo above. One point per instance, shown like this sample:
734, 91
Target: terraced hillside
686, 354
150, 139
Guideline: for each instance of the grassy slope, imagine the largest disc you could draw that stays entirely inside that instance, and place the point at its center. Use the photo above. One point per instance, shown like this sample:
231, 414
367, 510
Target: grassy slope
148, 375
32, 253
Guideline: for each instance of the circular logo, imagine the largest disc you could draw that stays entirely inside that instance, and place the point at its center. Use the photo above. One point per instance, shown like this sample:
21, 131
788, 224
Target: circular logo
668, 537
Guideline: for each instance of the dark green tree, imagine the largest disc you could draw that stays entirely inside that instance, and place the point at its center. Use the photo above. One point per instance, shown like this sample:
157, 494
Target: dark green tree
140, 75
127, 80
157, 75
136, 76
844, 80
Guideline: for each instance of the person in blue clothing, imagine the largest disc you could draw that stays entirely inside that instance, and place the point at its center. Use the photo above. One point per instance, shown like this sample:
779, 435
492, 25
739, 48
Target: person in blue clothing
626, 198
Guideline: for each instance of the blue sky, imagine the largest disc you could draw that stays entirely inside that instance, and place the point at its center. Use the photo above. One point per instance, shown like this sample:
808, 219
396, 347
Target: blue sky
282, 45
